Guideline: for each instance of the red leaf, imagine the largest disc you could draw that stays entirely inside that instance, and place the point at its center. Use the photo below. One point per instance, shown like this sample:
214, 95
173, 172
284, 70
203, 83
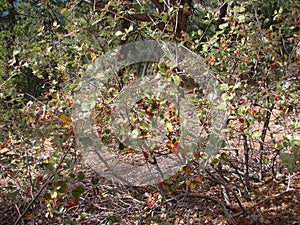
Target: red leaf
162, 184
70, 132
150, 202
145, 155
72, 203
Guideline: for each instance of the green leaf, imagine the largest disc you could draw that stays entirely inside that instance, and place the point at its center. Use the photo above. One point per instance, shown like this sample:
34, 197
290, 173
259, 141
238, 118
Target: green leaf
223, 144
135, 133
164, 17
215, 161
237, 85
77, 192
62, 185
227, 96
119, 33
255, 134
166, 223
224, 87
80, 176
121, 146
95, 180
162, 67
238, 9
129, 29
250, 120
176, 79
241, 18
222, 106
279, 88
144, 126
223, 26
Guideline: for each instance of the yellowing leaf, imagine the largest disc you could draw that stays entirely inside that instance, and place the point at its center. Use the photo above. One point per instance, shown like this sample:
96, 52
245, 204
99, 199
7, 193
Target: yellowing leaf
100, 106
170, 144
187, 169
287, 110
54, 194
176, 79
129, 29
169, 126
198, 178
49, 214
66, 119
118, 33
30, 119
191, 184
29, 217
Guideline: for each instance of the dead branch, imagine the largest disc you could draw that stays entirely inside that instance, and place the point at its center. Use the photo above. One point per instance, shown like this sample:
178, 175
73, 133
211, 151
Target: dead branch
263, 201
225, 207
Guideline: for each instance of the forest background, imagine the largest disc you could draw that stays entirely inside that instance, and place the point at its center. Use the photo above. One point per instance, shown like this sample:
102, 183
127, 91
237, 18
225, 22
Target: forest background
253, 50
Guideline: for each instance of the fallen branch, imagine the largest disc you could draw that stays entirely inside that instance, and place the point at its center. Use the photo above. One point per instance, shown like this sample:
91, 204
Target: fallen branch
219, 181
261, 202
224, 206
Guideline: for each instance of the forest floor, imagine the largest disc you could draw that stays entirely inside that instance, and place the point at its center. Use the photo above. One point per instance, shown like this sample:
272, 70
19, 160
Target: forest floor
216, 196
268, 202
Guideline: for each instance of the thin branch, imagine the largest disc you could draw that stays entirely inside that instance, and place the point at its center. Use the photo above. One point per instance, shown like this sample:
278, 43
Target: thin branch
43, 187
225, 207
218, 181
5, 82
246, 156
223, 12
262, 201
158, 5
263, 137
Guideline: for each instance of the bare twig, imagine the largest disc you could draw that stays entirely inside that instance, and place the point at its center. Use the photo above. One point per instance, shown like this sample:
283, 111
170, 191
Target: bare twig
263, 137
5, 82
218, 181
225, 207
261, 202
246, 156
43, 187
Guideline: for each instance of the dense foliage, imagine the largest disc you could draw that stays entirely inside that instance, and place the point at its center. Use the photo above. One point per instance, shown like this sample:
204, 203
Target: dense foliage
252, 47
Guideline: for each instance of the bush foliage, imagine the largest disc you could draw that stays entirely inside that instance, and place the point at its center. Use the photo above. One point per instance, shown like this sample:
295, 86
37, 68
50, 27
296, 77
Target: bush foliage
252, 48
